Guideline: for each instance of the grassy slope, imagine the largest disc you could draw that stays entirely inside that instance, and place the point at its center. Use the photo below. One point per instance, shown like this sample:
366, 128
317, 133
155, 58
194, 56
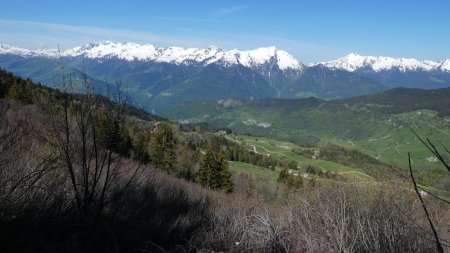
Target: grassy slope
393, 144
378, 127
282, 150
259, 175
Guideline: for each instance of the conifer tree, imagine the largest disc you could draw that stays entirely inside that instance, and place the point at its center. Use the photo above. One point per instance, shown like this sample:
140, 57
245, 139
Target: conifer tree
27, 96
204, 174
13, 92
140, 149
216, 171
185, 163
213, 173
112, 135
163, 147
3, 84
291, 181
227, 182
169, 147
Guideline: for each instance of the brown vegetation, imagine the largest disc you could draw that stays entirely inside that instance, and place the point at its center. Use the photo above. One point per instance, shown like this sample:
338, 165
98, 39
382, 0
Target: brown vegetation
66, 184
158, 212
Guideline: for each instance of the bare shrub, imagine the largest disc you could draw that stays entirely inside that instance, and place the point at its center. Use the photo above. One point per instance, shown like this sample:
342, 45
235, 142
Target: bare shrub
22, 164
324, 219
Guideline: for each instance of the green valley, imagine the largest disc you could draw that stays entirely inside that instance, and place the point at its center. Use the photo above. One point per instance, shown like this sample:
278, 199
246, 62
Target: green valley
375, 127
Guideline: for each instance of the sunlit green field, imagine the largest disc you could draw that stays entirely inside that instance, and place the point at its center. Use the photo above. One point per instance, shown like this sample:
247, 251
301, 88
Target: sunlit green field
283, 150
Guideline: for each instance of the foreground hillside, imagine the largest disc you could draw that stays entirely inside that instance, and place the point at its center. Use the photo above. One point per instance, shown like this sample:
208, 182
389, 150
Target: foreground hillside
82, 173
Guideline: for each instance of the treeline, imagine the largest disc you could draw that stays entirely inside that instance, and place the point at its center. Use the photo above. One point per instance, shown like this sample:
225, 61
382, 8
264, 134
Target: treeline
348, 157
290, 180
314, 170
16, 88
401, 100
26, 91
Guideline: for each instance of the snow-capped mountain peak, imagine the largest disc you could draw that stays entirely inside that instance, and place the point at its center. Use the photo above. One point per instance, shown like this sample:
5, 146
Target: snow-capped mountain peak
107, 49
8, 49
150, 52
263, 55
256, 58
353, 62
445, 65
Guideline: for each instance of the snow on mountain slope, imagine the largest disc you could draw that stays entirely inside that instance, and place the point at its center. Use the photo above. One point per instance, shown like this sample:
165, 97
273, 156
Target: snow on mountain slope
445, 65
7, 49
250, 58
177, 55
354, 62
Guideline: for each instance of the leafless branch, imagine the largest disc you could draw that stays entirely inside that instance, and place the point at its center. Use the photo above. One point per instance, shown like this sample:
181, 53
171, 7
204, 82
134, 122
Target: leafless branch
438, 243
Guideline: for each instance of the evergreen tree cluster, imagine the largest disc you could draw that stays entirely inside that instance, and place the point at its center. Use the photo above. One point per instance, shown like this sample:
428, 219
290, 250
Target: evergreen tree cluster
293, 182
15, 88
313, 170
214, 173
112, 134
161, 145
232, 150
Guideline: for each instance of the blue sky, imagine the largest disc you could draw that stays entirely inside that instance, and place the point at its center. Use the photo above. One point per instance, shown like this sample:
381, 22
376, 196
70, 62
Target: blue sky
310, 30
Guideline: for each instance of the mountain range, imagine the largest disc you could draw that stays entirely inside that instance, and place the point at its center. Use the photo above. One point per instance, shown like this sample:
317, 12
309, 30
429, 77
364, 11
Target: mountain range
158, 78
395, 72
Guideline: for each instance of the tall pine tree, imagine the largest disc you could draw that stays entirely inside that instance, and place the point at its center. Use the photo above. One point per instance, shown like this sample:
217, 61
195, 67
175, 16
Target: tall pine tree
213, 172
227, 182
13, 92
163, 147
